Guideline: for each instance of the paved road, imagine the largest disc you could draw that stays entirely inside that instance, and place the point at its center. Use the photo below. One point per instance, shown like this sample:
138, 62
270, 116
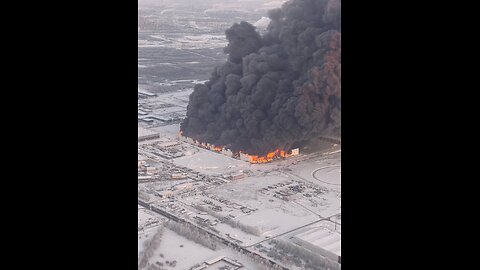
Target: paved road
301, 205
325, 167
303, 226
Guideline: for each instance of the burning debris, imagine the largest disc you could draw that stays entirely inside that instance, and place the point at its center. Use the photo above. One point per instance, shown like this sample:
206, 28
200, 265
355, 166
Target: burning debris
275, 91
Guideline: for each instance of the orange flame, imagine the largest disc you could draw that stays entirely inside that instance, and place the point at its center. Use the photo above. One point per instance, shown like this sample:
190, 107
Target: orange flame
268, 157
252, 158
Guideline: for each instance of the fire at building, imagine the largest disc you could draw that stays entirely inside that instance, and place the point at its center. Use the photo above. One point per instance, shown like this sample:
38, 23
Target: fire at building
277, 90
271, 156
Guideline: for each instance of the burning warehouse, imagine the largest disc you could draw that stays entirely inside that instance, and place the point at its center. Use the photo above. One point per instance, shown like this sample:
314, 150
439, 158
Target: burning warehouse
276, 91
240, 155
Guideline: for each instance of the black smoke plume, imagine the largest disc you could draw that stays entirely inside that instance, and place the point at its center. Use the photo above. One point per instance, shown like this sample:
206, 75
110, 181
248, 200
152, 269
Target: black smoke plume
275, 90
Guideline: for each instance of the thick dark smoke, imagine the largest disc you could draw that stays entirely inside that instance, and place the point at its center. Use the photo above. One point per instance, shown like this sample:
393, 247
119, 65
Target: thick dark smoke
275, 90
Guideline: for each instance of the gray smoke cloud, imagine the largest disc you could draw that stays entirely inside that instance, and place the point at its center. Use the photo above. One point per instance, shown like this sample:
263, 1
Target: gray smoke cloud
277, 90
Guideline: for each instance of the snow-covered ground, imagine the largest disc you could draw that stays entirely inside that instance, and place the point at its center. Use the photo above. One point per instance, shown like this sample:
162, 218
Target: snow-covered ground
145, 217
211, 163
178, 98
274, 216
325, 171
185, 252
142, 132
190, 42
325, 206
168, 132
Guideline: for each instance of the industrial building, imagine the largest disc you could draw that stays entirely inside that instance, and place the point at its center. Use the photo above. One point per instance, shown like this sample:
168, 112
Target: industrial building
237, 176
321, 240
146, 134
245, 157
151, 170
220, 262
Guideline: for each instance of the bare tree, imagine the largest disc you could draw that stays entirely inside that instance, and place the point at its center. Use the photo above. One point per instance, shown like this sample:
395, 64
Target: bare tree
312, 260
150, 247
192, 233
229, 221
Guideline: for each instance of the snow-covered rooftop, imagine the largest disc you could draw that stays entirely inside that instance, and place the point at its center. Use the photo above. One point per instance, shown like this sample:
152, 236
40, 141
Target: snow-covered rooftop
144, 133
322, 237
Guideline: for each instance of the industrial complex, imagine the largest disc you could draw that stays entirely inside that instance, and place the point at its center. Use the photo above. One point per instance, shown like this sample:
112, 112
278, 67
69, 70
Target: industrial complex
255, 213
203, 206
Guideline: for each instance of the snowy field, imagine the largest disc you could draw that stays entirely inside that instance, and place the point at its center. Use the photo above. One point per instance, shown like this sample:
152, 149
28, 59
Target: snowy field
192, 42
168, 132
142, 132
325, 171
274, 216
184, 251
211, 163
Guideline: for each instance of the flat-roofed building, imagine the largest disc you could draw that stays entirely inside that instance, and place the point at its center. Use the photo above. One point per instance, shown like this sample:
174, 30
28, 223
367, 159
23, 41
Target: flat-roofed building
146, 134
322, 240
